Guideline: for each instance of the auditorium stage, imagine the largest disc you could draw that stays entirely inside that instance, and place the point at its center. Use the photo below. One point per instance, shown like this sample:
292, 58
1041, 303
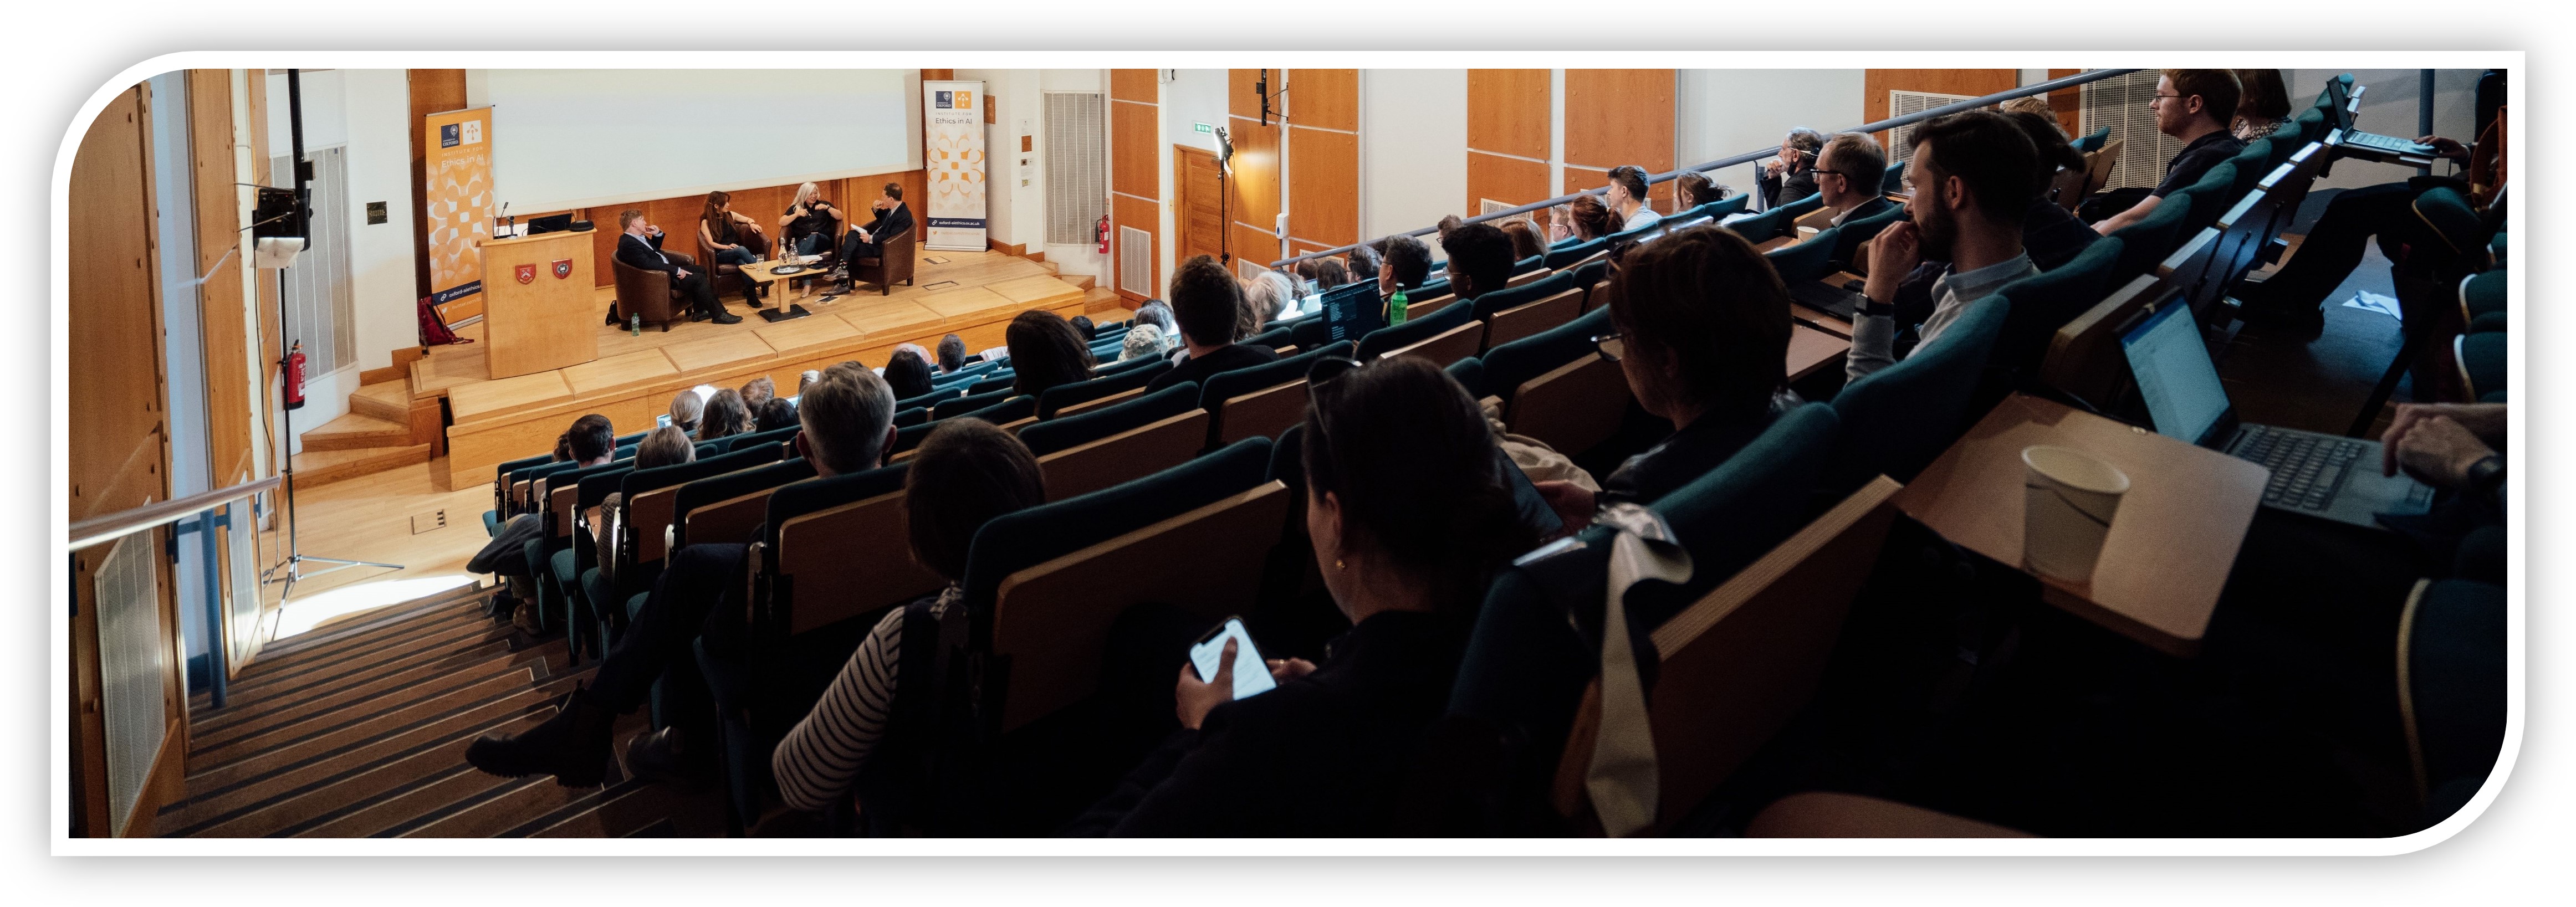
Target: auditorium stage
971, 294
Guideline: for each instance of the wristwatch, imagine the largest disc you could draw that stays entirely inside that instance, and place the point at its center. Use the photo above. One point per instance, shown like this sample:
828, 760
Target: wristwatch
2486, 476
1872, 308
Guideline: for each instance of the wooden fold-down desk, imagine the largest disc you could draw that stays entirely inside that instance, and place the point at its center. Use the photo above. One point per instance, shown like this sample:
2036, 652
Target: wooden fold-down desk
2169, 550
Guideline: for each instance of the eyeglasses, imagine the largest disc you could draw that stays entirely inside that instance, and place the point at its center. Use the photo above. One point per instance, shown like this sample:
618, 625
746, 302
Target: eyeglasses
2164, 97
1610, 345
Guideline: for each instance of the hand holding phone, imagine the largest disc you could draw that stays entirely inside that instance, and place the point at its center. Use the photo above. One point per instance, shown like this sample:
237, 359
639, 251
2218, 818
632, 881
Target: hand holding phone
1224, 666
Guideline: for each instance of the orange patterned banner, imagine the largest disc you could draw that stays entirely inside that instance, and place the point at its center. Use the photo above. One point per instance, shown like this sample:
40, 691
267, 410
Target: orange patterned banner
457, 207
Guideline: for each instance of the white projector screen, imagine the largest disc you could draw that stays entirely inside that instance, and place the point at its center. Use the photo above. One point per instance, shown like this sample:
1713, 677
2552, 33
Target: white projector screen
578, 138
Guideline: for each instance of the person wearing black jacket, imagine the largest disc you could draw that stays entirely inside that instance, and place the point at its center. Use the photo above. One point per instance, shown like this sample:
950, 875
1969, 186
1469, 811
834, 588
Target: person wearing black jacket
891, 220
1410, 516
1207, 302
641, 248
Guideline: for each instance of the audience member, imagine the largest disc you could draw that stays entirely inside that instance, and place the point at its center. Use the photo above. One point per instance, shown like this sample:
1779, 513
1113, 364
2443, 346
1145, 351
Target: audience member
892, 220
1627, 198
952, 354
731, 234
1790, 176
1210, 306
1410, 515
757, 391
1583, 219
1525, 239
2193, 106
2333, 247
1847, 174
2050, 234
1142, 341
1083, 328
965, 473
1408, 264
1045, 352
1974, 175
1703, 327
1365, 264
2264, 107
806, 379
1329, 273
907, 374
810, 222
847, 425
591, 441
775, 413
1480, 260
687, 407
641, 247
726, 415
1159, 314
1271, 296
1694, 189
2034, 103
1447, 223
664, 446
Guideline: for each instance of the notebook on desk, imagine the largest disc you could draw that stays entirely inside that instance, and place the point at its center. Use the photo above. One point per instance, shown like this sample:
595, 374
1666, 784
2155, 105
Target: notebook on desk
2321, 475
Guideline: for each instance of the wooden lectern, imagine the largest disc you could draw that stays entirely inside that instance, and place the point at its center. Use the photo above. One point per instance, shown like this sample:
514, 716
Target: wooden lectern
537, 303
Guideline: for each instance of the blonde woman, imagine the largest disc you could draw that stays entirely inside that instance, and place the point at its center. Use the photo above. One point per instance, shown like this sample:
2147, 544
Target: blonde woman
810, 224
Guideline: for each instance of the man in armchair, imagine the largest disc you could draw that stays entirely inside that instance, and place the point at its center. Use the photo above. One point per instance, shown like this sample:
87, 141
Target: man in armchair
869, 241
641, 248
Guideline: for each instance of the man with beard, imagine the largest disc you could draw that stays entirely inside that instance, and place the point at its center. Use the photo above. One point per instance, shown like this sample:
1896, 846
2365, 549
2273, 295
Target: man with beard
1971, 176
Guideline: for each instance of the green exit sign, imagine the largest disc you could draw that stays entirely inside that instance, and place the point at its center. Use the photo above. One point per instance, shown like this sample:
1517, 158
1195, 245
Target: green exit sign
1205, 128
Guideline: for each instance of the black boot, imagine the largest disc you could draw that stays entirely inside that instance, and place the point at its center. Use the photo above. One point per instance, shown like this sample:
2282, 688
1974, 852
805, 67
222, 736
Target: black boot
668, 755
751, 293
573, 745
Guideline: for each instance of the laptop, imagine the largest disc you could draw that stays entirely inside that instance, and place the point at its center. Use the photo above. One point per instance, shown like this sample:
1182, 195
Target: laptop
2328, 476
1352, 310
551, 223
2345, 108
1838, 301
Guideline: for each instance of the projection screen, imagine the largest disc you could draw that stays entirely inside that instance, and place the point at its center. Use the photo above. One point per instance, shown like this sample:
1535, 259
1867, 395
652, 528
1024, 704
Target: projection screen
577, 138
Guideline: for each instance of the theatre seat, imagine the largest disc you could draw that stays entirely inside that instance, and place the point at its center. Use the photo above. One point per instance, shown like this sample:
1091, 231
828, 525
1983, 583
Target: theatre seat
1827, 814
1898, 419
649, 294
893, 263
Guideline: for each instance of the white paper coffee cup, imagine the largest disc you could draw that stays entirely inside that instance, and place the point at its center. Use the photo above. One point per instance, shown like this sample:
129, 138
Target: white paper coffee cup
2069, 499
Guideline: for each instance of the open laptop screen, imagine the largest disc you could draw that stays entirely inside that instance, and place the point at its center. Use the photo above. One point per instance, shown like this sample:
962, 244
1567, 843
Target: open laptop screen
2174, 374
1352, 310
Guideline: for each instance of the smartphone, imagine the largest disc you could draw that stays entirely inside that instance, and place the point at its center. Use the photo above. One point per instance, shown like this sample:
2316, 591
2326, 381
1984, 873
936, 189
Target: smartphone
662, 421
1534, 510
1251, 676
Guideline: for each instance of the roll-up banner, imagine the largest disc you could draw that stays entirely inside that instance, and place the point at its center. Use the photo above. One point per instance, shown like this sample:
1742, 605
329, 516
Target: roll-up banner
953, 129
456, 208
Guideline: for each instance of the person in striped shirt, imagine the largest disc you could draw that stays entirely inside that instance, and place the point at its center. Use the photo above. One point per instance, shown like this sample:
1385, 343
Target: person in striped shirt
964, 474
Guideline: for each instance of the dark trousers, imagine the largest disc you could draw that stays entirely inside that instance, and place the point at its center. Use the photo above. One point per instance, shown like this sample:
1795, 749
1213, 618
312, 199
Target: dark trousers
698, 593
738, 255
853, 248
2333, 247
700, 290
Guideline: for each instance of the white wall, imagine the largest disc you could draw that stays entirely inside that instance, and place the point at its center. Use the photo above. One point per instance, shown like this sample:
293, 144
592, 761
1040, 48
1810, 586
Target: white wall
1069, 258
1720, 113
378, 120
2389, 108
1002, 202
325, 110
1413, 148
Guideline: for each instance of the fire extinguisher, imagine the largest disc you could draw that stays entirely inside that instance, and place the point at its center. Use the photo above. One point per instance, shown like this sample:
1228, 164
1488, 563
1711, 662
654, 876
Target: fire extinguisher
295, 376
1103, 234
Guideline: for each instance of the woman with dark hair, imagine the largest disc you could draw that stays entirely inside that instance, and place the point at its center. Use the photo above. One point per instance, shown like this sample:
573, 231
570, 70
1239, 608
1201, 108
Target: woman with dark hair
726, 414
726, 230
775, 413
1329, 273
908, 374
1410, 515
1694, 189
1045, 352
2264, 105
1702, 333
1525, 240
1583, 219
963, 475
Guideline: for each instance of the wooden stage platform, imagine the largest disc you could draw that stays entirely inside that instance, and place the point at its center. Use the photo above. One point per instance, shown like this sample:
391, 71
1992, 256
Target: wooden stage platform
971, 294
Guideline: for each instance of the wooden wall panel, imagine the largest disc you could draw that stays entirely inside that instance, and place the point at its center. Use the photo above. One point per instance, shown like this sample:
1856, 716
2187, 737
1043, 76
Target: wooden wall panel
225, 331
1619, 116
1507, 112
1504, 179
1876, 83
1323, 189
1135, 85
1326, 99
1135, 161
118, 444
2067, 104
1241, 99
1142, 214
432, 91
1255, 174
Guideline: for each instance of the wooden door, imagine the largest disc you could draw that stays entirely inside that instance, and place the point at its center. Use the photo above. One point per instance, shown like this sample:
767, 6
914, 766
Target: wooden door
1201, 187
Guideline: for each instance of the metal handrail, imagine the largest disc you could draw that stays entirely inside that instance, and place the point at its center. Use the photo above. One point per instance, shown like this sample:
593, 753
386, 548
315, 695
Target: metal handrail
137, 519
1751, 156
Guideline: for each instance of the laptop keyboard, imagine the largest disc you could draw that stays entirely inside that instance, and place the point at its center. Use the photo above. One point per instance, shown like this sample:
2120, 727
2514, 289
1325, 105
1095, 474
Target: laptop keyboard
2391, 144
2306, 469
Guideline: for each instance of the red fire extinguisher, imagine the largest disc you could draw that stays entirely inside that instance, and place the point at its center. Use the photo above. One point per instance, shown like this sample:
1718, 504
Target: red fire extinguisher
295, 376
1103, 232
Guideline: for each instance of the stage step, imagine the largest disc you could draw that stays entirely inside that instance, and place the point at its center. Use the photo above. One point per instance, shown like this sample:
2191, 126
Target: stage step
316, 468
361, 731
387, 400
356, 431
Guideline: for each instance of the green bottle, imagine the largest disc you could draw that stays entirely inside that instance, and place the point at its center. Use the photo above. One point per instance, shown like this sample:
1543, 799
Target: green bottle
1395, 308
635, 325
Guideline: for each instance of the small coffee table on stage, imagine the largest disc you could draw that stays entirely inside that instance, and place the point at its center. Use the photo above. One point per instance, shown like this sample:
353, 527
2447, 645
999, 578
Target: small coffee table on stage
760, 272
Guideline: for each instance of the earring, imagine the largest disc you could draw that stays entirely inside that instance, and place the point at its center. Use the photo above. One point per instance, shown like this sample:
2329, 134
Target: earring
1337, 564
